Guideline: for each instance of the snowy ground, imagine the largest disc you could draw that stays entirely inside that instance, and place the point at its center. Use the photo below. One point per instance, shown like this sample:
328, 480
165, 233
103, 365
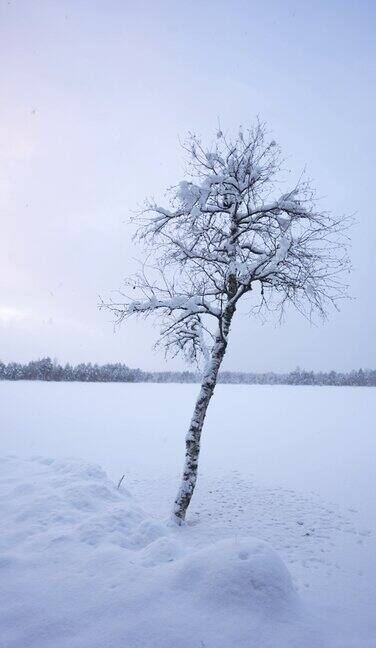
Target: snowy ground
83, 565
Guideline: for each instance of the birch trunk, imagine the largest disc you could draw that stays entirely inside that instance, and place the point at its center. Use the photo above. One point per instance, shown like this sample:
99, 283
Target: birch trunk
192, 440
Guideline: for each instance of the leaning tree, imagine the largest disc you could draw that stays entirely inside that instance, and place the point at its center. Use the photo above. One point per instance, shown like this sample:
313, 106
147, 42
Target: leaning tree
228, 230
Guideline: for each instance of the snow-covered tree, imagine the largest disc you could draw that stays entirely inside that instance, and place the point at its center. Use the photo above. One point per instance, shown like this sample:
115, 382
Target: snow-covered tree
229, 233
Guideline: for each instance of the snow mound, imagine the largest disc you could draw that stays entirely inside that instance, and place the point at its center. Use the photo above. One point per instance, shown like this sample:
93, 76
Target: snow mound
81, 564
239, 572
46, 501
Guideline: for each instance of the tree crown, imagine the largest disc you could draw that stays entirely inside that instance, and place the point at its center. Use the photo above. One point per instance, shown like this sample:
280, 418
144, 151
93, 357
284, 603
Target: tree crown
227, 230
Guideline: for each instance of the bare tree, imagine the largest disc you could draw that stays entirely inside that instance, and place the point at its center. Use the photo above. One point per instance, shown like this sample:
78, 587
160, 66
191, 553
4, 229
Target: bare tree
227, 231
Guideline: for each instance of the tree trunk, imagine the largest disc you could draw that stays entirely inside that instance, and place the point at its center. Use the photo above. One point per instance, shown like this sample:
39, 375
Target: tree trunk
192, 440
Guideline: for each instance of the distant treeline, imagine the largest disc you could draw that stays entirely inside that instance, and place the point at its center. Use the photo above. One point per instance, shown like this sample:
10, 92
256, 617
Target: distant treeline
49, 370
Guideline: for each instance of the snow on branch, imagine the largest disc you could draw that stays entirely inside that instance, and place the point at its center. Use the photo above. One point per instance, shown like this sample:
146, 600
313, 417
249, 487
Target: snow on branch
226, 231
189, 305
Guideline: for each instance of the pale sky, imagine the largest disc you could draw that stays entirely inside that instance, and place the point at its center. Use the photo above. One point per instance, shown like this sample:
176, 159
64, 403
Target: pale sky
94, 98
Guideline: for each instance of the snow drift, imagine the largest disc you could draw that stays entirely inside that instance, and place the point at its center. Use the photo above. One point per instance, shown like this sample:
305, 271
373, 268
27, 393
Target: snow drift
83, 565
245, 573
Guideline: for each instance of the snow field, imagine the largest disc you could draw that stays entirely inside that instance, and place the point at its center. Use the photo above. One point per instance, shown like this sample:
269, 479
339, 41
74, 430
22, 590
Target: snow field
82, 564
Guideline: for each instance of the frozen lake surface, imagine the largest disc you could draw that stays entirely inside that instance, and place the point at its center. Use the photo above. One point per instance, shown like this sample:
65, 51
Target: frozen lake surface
293, 466
305, 438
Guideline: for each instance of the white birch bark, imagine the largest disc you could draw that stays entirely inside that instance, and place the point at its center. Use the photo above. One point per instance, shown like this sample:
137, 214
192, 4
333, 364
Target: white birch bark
193, 437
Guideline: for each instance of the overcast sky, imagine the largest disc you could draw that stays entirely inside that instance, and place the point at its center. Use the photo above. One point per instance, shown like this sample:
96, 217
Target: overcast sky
94, 98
